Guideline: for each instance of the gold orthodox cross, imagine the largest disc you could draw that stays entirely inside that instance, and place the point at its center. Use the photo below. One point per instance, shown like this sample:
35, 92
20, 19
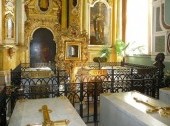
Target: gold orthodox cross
163, 111
47, 120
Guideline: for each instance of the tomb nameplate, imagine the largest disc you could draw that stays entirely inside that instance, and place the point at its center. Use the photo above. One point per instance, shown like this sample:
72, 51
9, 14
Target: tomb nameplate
98, 72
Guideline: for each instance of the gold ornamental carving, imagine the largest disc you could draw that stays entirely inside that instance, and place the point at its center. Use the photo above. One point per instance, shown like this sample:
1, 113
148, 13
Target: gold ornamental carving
72, 36
75, 12
9, 23
110, 2
38, 18
72, 49
41, 15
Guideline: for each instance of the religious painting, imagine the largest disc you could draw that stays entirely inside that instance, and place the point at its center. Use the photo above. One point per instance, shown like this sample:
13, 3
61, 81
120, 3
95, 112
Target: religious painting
73, 50
100, 24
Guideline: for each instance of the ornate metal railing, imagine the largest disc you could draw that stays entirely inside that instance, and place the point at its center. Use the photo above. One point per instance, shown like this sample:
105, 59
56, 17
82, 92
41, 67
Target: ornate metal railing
85, 93
3, 106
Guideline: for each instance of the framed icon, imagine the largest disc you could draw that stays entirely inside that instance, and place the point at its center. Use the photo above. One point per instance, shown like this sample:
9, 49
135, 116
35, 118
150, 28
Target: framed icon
73, 50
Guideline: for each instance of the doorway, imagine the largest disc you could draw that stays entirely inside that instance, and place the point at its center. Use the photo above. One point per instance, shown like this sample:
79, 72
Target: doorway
42, 47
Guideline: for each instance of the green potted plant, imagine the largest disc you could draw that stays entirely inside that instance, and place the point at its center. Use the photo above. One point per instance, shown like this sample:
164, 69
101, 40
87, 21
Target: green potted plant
120, 47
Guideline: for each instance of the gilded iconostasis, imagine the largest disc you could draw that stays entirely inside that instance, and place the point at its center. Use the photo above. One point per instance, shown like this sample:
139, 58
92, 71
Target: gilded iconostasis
76, 31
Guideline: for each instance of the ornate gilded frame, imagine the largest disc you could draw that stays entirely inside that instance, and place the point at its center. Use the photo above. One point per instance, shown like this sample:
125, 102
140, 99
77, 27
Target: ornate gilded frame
73, 50
48, 8
72, 37
103, 8
40, 19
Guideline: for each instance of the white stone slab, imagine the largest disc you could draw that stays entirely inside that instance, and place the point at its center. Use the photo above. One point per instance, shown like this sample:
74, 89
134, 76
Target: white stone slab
120, 109
27, 112
164, 95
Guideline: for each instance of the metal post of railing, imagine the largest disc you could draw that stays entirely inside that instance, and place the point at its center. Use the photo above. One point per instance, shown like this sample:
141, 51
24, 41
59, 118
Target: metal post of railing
156, 84
112, 81
58, 81
95, 104
81, 99
132, 78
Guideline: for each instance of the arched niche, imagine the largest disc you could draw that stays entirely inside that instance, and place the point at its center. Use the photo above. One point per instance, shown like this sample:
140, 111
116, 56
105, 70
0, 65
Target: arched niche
42, 46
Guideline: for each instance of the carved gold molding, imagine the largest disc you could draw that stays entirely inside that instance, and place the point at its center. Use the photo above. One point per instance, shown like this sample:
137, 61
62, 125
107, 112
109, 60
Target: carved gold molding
75, 13
9, 22
37, 18
74, 36
110, 2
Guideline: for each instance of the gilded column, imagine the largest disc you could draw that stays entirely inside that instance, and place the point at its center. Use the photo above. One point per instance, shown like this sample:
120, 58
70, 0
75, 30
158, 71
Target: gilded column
119, 19
114, 29
83, 15
114, 32
64, 14
1, 4
124, 6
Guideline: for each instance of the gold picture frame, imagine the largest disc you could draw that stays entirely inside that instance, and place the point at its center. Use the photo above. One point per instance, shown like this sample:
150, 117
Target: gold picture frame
73, 50
76, 39
100, 23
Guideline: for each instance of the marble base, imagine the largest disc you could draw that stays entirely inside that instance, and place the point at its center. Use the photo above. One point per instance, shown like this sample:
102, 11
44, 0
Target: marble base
120, 109
164, 95
27, 112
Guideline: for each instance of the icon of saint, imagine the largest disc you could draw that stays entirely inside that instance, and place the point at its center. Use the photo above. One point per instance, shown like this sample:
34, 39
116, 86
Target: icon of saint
99, 28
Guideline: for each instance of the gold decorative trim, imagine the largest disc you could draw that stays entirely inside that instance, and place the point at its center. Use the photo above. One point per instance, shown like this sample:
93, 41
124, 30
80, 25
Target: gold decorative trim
9, 22
38, 19
44, 12
76, 37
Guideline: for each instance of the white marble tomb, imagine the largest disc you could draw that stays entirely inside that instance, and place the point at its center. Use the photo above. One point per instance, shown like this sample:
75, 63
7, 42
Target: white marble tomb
27, 112
121, 109
164, 94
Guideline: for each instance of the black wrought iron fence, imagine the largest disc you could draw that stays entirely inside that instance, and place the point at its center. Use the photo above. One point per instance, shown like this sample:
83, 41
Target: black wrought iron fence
3, 105
85, 93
